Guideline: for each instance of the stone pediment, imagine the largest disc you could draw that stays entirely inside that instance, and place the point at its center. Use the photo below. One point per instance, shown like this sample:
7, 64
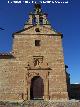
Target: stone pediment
36, 29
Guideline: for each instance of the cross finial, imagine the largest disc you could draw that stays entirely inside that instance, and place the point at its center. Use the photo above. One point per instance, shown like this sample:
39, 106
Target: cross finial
37, 8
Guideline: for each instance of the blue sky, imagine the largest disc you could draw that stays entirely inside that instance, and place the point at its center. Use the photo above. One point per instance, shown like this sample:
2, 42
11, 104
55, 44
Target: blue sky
64, 18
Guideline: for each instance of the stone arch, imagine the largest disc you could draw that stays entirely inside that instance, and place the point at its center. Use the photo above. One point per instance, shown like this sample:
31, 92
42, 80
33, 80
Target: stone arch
36, 88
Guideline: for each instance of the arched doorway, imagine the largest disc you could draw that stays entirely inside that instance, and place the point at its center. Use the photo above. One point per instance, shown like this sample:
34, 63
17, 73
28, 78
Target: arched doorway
37, 88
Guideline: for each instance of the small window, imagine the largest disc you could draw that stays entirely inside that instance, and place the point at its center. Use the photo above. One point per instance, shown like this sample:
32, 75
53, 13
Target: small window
37, 30
37, 42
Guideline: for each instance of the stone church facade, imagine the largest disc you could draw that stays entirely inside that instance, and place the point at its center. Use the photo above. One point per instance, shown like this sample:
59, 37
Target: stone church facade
35, 68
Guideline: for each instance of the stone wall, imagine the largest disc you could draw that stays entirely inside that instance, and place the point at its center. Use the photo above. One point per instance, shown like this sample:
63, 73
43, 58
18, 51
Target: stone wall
11, 79
51, 50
